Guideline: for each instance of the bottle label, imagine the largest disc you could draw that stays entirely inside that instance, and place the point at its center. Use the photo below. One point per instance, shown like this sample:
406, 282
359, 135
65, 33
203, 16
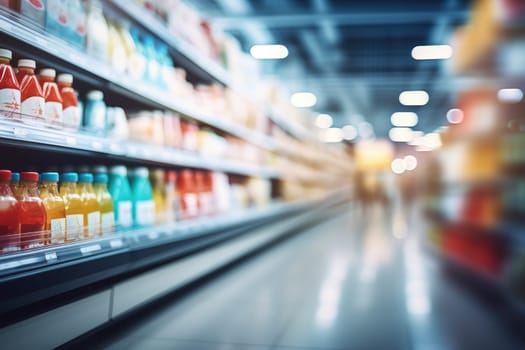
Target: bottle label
71, 117
108, 222
93, 224
125, 218
34, 106
145, 213
10, 100
53, 113
74, 226
58, 230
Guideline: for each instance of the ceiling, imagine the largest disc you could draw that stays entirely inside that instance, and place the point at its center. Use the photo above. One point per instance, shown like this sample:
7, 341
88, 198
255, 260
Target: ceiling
354, 55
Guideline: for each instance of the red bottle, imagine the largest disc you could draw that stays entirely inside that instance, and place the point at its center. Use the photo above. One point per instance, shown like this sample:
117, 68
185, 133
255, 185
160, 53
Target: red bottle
53, 106
9, 220
70, 110
9, 87
189, 201
32, 213
33, 102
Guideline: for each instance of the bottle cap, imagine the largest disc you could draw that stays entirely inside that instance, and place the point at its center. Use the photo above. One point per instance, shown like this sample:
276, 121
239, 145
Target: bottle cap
48, 72
100, 169
69, 177
5, 175
30, 176
119, 170
65, 78
26, 63
85, 177
15, 177
101, 178
6, 53
49, 177
95, 95
141, 171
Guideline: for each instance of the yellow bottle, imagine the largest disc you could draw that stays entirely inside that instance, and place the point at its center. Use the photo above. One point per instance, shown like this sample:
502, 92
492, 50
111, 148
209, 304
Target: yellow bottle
105, 202
74, 207
55, 207
159, 198
91, 208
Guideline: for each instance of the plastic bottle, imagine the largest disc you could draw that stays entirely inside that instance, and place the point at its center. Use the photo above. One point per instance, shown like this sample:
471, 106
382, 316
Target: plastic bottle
97, 32
53, 106
32, 96
105, 202
153, 67
15, 185
74, 206
32, 213
137, 63
95, 112
90, 203
9, 86
9, 216
171, 196
189, 202
70, 110
55, 207
159, 198
116, 50
142, 194
120, 191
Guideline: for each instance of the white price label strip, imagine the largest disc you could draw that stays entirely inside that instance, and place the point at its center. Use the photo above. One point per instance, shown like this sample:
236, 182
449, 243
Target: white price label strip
18, 263
51, 256
90, 249
116, 243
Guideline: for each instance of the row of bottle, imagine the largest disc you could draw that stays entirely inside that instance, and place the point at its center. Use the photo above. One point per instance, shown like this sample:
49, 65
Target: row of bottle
35, 212
52, 99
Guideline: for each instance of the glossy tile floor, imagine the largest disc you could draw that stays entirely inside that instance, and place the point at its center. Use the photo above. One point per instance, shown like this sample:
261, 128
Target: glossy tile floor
357, 281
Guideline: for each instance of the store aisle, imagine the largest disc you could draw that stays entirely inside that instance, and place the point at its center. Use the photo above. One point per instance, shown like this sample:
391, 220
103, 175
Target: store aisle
357, 281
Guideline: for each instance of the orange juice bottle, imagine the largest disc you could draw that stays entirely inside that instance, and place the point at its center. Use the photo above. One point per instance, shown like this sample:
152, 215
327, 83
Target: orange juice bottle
74, 206
55, 207
91, 208
107, 216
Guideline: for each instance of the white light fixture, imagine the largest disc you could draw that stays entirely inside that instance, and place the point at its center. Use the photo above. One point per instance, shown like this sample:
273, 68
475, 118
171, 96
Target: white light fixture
349, 132
323, 121
455, 116
333, 135
410, 162
365, 130
510, 95
414, 98
432, 52
303, 99
269, 52
398, 166
400, 134
406, 119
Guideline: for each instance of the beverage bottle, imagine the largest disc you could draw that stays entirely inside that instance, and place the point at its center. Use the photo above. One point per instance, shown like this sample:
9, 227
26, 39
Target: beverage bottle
120, 191
53, 105
32, 213
70, 109
171, 197
188, 194
97, 32
32, 96
95, 112
15, 185
159, 198
9, 86
91, 206
55, 207
9, 216
105, 202
142, 194
74, 206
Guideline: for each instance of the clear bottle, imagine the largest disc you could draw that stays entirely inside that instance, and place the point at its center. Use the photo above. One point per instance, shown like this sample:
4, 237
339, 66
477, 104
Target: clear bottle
120, 191
9, 215
143, 205
9, 86
105, 202
74, 206
32, 213
91, 206
55, 207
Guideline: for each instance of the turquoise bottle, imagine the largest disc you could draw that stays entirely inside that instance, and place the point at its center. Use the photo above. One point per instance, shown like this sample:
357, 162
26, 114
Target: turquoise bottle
120, 191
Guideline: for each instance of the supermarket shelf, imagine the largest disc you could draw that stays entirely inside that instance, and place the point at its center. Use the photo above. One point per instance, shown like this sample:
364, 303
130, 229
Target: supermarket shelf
196, 61
14, 27
28, 135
